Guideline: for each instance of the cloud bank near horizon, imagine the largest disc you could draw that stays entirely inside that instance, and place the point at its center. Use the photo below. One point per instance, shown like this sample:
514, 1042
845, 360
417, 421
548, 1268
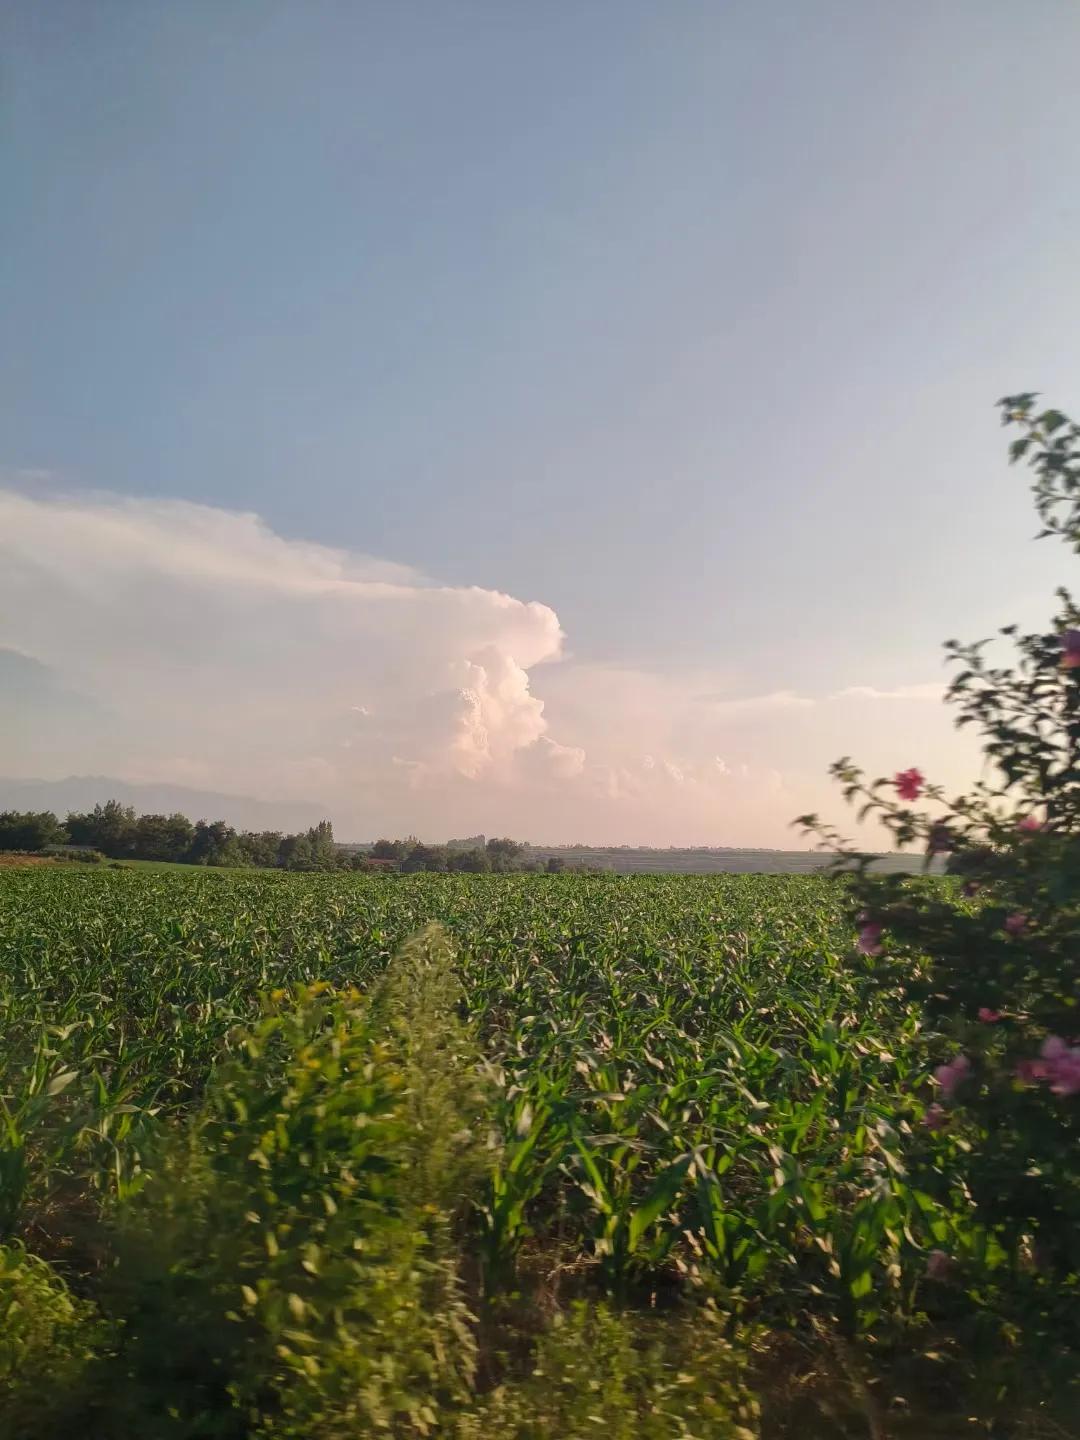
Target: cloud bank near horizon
178, 642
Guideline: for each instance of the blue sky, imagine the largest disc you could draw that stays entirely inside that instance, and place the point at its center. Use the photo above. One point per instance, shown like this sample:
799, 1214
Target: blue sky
683, 320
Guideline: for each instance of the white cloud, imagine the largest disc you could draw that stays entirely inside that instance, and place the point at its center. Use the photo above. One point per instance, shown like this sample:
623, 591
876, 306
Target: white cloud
930, 690
555, 761
224, 650
177, 642
757, 704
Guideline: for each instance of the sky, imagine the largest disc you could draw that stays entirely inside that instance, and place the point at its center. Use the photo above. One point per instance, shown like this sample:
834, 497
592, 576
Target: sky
570, 420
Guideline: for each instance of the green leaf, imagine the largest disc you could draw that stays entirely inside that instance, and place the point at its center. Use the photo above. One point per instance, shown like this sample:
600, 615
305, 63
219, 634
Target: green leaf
659, 1198
861, 1285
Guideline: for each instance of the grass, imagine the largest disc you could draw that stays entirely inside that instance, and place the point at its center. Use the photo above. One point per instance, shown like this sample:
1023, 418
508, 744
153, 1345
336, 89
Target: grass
165, 866
688, 1122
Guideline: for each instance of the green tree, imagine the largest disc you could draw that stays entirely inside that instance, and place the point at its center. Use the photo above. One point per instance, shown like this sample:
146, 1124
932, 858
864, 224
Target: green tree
179, 832
504, 854
30, 830
295, 853
427, 857
470, 862
260, 847
162, 837
215, 843
324, 853
109, 828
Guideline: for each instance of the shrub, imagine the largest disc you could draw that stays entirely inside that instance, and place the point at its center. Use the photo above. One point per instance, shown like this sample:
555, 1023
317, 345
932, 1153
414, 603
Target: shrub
83, 857
625, 1377
29, 830
47, 1338
285, 1272
994, 957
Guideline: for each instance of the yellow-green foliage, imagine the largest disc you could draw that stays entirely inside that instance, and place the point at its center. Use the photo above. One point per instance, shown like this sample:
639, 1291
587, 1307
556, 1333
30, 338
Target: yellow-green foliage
445, 1102
46, 1340
284, 1273
692, 1089
286, 1265
600, 1374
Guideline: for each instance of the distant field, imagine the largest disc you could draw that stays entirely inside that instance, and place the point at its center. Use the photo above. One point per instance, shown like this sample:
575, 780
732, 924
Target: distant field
710, 861
644, 860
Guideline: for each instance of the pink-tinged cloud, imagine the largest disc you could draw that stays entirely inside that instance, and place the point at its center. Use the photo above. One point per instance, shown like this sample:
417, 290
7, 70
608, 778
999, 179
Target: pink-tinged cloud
195, 644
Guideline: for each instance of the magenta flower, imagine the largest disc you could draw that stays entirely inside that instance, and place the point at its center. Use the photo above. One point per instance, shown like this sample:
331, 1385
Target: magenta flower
1058, 1065
951, 1075
909, 784
1062, 1062
1031, 1070
938, 1265
869, 941
988, 1016
1016, 923
935, 1117
1029, 824
1070, 649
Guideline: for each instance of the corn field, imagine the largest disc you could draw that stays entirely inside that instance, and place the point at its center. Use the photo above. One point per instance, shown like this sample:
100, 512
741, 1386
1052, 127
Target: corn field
590, 1116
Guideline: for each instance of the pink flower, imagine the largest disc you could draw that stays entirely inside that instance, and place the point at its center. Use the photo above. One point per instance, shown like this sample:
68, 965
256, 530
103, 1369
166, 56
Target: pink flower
1031, 1070
1062, 1063
951, 1075
935, 1117
1059, 1065
1066, 1077
1016, 923
909, 783
1070, 652
938, 1265
1029, 824
869, 941
988, 1016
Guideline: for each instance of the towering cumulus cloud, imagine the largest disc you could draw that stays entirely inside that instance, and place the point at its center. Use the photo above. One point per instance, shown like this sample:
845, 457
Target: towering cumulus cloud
165, 641
197, 641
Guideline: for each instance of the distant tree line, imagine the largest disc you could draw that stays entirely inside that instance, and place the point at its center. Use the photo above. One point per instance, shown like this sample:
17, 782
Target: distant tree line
114, 830
475, 856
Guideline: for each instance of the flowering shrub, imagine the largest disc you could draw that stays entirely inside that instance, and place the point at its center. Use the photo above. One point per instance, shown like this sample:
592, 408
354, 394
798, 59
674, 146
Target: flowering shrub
993, 957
